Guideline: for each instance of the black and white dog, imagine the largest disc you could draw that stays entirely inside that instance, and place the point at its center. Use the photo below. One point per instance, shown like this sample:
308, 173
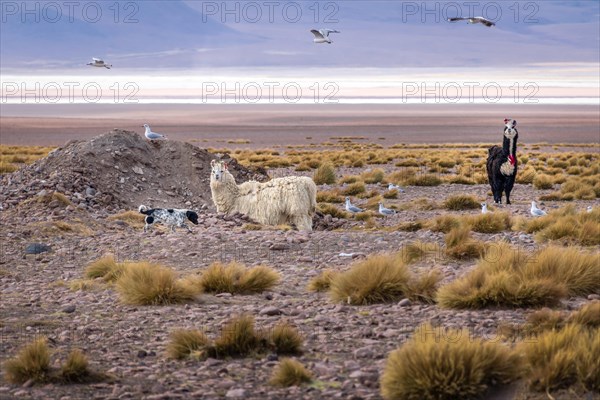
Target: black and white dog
168, 216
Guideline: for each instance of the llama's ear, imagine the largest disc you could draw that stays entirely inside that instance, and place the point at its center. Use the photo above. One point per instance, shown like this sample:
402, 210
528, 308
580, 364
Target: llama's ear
225, 165
212, 163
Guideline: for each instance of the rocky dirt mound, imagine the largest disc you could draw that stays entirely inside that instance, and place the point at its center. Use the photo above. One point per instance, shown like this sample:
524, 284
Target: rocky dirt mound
121, 170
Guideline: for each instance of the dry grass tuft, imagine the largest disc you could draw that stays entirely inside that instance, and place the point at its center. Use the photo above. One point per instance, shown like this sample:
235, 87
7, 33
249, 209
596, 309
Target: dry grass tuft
444, 223
332, 210
353, 189
561, 358
588, 315
490, 223
374, 176
511, 278
285, 339
131, 218
423, 180
324, 175
431, 366
235, 278
460, 244
187, 342
151, 284
322, 282
101, 267
75, 369
239, 338
32, 362
418, 251
462, 202
290, 372
542, 181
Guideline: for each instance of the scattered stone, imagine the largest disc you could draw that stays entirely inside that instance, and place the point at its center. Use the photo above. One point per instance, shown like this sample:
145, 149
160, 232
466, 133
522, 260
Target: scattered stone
235, 393
404, 303
37, 248
69, 309
270, 311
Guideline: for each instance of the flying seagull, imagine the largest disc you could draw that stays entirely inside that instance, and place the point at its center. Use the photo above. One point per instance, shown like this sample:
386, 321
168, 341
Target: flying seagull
535, 211
98, 62
474, 20
322, 35
385, 211
391, 186
352, 208
153, 135
484, 209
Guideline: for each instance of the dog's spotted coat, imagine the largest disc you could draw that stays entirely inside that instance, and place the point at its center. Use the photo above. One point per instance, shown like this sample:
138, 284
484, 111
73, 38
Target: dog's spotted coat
168, 216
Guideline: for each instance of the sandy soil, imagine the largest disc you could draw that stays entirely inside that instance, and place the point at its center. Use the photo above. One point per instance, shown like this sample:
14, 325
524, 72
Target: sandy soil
270, 125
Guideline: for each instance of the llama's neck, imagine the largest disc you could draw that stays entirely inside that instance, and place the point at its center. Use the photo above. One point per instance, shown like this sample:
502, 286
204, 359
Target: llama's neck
509, 144
224, 192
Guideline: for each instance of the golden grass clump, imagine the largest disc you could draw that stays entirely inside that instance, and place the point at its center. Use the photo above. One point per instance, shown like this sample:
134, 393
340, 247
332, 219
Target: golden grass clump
490, 223
373, 176
324, 175
450, 365
329, 196
239, 338
511, 278
285, 339
461, 245
444, 223
32, 362
326, 208
75, 369
187, 342
409, 226
419, 250
423, 287
391, 194
101, 267
588, 315
353, 189
322, 282
562, 358
235, 278
542, 181
143, 283
131, 218
290, 372
462, 202
423, 180
380, 278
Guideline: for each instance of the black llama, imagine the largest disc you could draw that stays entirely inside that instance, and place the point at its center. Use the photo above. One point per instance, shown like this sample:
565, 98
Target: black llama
502, 163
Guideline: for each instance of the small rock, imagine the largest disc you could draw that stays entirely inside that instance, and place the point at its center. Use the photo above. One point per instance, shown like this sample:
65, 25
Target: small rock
142, 353
594, 297
89, 191
37, 248
404, 303
69, 309
364, 352
279, 246
270, 311
234, 393
138, 170
29, 383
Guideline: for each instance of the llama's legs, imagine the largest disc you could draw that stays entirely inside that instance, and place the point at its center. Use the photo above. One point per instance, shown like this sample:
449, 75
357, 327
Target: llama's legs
507, 189
303, 223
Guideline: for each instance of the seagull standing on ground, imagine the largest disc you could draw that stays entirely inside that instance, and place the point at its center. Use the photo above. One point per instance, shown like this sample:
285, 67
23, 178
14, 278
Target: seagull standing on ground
484, 209
474, 20
98, 62
153, 135
535, 211
391, 186
322, 35
352, 208
385, 211
589, 209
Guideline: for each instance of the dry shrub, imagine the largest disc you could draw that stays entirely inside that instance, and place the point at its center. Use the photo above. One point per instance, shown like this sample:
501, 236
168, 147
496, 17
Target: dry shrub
75, 369
391, 194
235, 278
239, 338
423, 180
151, 284
187, 342
101, 267
409, 226
290, 372
322, 282
446, 366
511, 278
32, 362
375, 176
567, 225
379, 278
588, 315
461, 245
131, 218
542, 181
332, 210
332, 196
423, 287
285, 339
462, 202
324, 175
561, 358
418, 250
490, 223
353, 189
444, 223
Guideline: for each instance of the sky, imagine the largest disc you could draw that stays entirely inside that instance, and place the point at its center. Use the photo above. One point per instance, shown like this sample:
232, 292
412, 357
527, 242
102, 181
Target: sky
188, 34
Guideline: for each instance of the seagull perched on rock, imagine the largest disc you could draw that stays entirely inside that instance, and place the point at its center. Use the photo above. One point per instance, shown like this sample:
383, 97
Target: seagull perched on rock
391, 186
484, 209
474, 20
589, 209
535, 211
98, 62
385, 211
352, 208
322, 35
153, 135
